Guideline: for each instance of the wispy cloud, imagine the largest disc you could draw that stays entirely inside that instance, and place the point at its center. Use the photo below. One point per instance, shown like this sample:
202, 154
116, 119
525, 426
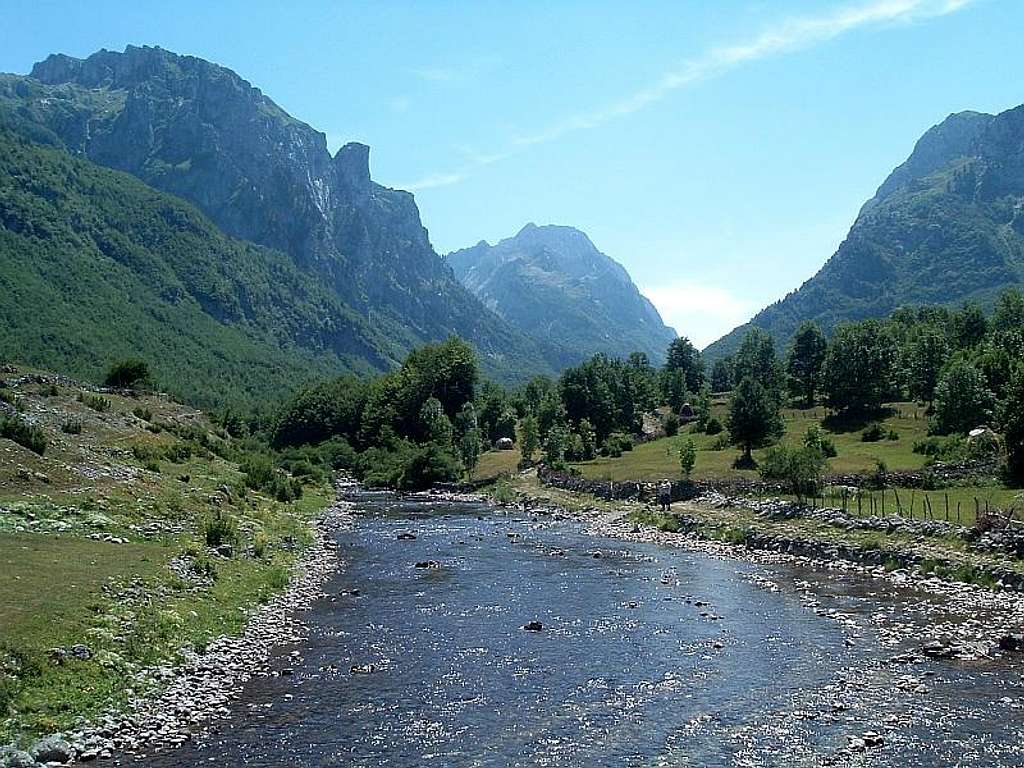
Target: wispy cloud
436, 74
786, 36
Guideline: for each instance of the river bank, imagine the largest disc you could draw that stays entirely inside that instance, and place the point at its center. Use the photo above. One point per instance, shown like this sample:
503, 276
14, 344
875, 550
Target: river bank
175, 701
721, 528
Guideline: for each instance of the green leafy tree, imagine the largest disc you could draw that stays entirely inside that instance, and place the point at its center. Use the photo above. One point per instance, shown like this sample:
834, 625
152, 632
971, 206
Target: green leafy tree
470, 438
529, 438
555, 446
687, 457
588, 440
1011, 421
801, 469
926, 355
969, 326
755, 359
683, 356
860, 367
754, 418
962, 399
437, 427
721, 375
132, 373
673, 388
805, 360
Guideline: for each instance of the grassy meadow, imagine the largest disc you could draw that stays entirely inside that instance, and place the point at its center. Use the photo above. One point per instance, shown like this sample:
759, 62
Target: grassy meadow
148, 475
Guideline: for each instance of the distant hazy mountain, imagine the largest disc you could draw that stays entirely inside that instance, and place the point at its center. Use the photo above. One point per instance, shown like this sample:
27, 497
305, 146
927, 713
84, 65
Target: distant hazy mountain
946, 226
552, 283
199, 131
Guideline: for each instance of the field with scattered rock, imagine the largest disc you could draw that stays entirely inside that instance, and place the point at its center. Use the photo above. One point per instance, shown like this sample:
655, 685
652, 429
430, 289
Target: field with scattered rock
131, 539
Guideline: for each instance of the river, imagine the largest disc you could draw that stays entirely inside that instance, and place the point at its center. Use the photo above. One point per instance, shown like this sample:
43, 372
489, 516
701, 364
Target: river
648, 656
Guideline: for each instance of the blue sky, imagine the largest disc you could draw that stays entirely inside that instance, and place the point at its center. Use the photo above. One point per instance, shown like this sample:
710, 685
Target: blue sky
719, 150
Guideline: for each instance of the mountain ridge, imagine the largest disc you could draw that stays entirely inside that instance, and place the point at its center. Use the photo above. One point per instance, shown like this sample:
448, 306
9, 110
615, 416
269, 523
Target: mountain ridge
197, 130
944, 227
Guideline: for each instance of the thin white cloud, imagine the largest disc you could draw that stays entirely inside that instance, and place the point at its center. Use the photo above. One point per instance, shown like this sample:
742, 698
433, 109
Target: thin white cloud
699, 311
436, 74
786, 36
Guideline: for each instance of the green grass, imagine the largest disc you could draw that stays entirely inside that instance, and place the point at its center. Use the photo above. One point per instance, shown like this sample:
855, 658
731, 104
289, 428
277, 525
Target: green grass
59, 589
494, 464
659, 458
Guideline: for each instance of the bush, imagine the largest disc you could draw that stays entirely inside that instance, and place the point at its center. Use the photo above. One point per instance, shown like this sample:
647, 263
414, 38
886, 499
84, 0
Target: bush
129, 374
952, 448
98, 403
799, 468
143, 413
27, 435
714, 426
816, 438
220, 529
616, 444
671, 425
72, 427
873, 433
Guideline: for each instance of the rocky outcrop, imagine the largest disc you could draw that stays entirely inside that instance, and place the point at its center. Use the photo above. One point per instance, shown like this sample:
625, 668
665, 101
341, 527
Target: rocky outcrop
199, 131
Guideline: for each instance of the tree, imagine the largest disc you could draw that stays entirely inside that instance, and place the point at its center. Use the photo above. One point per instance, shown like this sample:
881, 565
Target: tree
673, 388
799, 468
437, 427
529, 438
132, 373
470, 437
860, 367
1009, 311
969, 326
925, 357
962, 401
685, 357
753, 417
804, 361
687, 457
588, 440
555, 446
1011, 421
721, 375
756, 359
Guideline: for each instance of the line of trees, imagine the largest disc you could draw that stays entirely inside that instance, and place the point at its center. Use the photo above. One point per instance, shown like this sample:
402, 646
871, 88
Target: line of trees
431, 419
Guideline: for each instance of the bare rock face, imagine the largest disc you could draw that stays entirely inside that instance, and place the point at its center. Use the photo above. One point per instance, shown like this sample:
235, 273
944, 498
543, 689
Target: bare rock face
199, 131
553, 284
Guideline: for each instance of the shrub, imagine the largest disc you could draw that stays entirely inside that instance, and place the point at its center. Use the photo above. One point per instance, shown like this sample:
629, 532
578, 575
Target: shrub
799, 468
178, 453
219, 529
143, 413
687, 457
25, 434
872, 433
152, 465
72, 427
129, 374
952, 448
816, 438
671, 425
98, 403
714, 426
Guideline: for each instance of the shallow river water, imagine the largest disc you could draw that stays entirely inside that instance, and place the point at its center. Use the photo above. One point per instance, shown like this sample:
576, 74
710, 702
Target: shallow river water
649, 656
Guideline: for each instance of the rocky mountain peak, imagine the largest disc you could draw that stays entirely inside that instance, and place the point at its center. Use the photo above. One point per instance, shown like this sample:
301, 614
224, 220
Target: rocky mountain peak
352, 163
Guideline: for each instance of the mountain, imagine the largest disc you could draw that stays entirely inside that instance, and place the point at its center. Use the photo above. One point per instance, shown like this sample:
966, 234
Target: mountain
95, 266
199, 131
946, 226
551, 283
